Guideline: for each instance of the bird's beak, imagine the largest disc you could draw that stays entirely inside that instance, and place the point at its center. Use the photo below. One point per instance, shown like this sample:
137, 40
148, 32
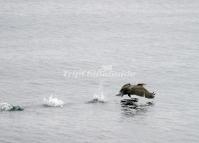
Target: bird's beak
119, 94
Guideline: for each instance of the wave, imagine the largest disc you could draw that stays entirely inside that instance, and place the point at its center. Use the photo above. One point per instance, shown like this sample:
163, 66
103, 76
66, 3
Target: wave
53, 102
9, 107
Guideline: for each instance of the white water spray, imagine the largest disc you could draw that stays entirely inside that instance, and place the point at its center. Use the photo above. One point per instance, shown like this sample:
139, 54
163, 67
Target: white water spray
5, 106
99, 96
53, 102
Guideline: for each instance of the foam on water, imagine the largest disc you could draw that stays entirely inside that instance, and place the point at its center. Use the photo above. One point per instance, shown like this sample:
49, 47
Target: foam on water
53, 102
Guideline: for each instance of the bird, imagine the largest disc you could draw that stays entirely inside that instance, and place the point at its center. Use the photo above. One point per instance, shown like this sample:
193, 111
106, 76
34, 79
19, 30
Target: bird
138, 89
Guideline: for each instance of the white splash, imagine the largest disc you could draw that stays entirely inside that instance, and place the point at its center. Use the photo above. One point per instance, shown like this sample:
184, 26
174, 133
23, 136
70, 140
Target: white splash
5, 106
99, 97
53, 102
143, 102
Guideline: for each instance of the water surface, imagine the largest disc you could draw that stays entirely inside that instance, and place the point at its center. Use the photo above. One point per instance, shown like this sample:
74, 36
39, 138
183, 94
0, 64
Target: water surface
157, 40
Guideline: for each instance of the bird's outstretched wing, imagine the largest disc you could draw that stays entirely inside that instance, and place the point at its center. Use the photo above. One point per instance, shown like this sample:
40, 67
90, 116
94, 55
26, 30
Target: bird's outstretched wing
141, 84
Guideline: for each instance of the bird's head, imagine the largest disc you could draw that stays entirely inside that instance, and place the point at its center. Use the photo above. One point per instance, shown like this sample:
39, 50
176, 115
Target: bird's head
124, 90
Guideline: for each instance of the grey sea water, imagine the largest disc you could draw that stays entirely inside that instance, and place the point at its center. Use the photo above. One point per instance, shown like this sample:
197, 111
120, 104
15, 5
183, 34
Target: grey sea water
155, 39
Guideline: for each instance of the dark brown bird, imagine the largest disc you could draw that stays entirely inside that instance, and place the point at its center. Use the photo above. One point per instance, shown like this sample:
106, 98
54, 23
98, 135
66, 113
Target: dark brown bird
138, 90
